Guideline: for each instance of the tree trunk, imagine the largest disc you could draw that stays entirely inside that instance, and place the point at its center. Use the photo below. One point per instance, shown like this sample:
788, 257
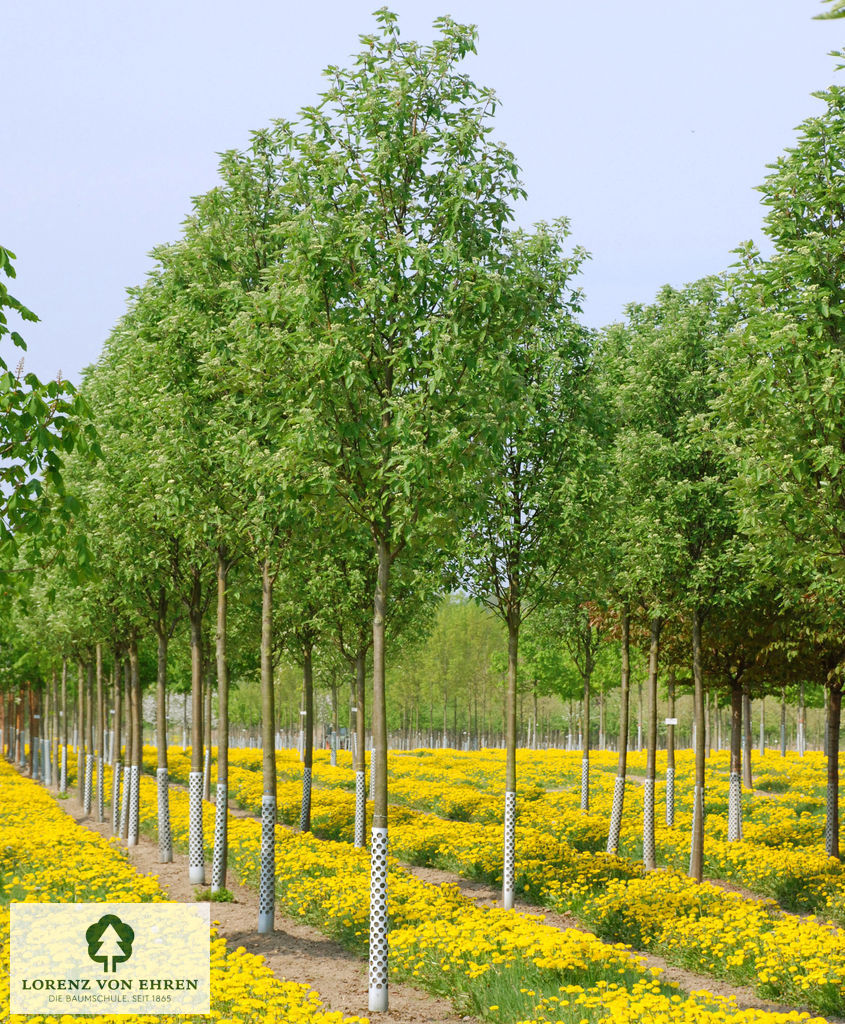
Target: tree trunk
708, 724
127, 706
135, 711
763, 727
801, 737
80, 731
360, 752
101, 736
206, 726
267, 871
510, 762
165, 843
378, 998
49, 730
20, 738
308, 748
670, 750
834, 714
196, 850
89, 736
734, 787
651, 747
696, 867
335, 725
585, 723
639, 716
64, 732
621, 771
33, 727
116, 754
221, 794
747, 780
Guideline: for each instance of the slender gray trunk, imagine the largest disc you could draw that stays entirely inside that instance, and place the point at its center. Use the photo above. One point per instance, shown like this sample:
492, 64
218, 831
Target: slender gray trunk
221, 797
80, 731
734, 787
834, 715
747, 740
670, 750
308, 745
101, 731
165, 842
378, 997
649, 859
135, 711
196, 845
621, 770
585, 722
696, 868
267, 868
510, 762
360, 751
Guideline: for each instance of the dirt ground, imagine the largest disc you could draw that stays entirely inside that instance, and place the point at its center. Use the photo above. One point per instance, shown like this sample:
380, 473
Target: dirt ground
294, 951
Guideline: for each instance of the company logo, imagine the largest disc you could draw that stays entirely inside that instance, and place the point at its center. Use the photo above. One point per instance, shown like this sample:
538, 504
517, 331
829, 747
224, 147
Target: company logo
110, 940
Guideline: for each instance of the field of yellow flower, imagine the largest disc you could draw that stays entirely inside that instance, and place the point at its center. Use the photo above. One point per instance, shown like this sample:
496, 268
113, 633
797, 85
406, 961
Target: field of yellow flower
501, 965
45, 857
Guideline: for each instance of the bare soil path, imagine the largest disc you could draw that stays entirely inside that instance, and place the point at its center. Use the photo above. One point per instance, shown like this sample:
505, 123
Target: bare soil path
294, 951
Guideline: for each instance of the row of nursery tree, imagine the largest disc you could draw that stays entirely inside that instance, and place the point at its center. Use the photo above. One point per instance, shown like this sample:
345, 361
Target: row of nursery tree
352, 385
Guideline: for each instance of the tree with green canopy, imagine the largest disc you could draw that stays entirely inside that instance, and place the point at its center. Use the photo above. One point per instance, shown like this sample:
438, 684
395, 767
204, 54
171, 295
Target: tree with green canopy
673, 476
39, 424
782, 404
396, 278
521, 531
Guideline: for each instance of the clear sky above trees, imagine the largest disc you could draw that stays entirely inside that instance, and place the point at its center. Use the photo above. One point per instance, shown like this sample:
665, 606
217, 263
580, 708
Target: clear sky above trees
647, 124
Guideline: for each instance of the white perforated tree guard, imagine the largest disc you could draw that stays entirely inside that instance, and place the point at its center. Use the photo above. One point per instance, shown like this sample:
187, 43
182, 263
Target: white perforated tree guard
124, 804
63, 769
648, 822
734, 808
196, 853
89, 772
829, 844
267, 867
378, 921
670, 796
165, 840
510, 850
48, 766
134, 804
616, 814
115, 797
101, 793
360, 808
585, 784
218, 861
305, 807
333, 754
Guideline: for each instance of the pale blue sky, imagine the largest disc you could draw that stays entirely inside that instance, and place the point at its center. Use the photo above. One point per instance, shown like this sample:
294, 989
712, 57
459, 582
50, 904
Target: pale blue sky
647, 123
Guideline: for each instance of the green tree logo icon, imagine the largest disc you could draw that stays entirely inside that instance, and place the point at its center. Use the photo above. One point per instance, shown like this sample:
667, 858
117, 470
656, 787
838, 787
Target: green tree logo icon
110, 939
